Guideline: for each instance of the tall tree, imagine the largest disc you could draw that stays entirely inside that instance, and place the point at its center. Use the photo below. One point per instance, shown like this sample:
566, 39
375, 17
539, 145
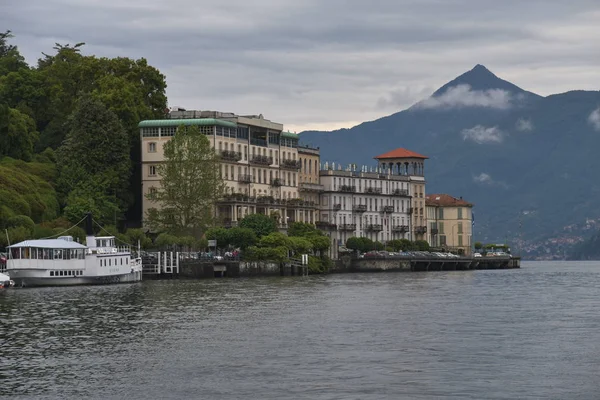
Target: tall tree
93, 162
17, 134
190, 184
10, 58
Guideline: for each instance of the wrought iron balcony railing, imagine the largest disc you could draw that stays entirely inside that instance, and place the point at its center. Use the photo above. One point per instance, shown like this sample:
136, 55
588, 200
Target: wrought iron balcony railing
359, 208
289, 164
229, 155
400, 192
400, 228
375, 228
337, 207
347, 189
347, 227
261, 160
373, 190
387, 209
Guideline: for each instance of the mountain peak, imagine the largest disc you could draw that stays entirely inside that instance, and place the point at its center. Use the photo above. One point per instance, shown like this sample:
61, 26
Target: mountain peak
481, 78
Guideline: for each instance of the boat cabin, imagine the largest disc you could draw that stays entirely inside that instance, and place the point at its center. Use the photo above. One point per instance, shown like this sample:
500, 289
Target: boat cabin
63, 248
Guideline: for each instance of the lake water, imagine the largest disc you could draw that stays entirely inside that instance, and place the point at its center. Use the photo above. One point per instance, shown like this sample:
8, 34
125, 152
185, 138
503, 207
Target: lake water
532, 333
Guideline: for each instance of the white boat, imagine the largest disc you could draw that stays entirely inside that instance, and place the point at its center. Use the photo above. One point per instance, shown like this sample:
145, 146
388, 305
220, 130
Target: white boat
63, 262
5, 281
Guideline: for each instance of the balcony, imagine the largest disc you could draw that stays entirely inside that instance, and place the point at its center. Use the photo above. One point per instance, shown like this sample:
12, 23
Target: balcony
347, 189
236, 198
400, 228
228, 155
265, 200
387, 209
301, 203
374, 228
434, 231
347, 227
373, 190
276, 182
360, 208
289, 164
336, 207
325, 226
245, 178
261, 160
420, 229
311, 187
400, 192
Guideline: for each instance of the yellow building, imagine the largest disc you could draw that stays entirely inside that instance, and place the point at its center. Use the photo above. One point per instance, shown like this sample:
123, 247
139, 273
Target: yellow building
310, 188
259, 163
450, 222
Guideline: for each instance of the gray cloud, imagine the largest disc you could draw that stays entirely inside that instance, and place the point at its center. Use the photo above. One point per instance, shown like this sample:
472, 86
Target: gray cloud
323, 63
594, 119
481, 134
486, 179
462, 96
524, 125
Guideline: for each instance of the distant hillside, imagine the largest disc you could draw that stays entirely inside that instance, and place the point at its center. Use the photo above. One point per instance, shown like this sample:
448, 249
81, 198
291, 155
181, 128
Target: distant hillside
527, 162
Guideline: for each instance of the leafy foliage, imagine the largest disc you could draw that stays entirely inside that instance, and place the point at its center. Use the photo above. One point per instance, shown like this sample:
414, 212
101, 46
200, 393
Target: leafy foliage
94, 180
262, 225
190, 183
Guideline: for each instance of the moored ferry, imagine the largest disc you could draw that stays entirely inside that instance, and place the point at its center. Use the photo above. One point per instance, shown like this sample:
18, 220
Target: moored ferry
63, 262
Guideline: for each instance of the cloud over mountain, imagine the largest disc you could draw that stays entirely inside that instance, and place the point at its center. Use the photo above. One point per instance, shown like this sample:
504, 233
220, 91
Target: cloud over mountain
461, 96
524, 125
594, 119
481, 134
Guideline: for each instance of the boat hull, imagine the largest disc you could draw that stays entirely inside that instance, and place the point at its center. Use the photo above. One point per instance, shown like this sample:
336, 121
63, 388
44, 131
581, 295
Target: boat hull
31, 278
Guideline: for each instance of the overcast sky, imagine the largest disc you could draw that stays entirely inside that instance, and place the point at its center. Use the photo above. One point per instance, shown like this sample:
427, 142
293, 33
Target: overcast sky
323, 64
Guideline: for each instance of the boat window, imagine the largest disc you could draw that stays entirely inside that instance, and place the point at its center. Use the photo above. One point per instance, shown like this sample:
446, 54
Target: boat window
57, 254
51, 273
121, 261
60, 273
15, 253
126, 261
109, 262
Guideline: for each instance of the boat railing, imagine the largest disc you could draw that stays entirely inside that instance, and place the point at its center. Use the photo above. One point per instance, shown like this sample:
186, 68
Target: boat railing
110, 250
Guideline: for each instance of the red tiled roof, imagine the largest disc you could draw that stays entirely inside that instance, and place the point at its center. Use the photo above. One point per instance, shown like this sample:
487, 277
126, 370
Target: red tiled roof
445, 200
400, 153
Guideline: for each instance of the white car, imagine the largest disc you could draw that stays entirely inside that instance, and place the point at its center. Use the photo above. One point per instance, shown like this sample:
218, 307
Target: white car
477, 255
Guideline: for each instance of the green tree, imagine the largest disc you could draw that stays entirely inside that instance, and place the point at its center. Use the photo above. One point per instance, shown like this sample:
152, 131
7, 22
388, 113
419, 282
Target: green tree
93, 162
320, 243
261, 224
354, 243
18, 134
221, 235
242, 237
300, 245
302, 229
275, 239
10, 58
190, 184
165, 241
478, 246
135, 236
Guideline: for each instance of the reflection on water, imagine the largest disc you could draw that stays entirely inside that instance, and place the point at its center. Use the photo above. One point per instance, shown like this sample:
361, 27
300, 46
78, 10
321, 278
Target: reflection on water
529, 333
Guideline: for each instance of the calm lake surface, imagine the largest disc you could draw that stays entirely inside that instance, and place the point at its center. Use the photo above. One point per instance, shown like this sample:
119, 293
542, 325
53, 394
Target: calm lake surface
532, 333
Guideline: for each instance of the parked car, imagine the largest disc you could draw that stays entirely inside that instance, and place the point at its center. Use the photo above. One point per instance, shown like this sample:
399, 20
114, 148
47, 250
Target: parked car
477, 255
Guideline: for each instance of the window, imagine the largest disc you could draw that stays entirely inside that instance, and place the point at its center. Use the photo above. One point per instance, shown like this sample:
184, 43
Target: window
51, 273
460, 240
440, 213
460, 213
460, 228
152, 147
152, 170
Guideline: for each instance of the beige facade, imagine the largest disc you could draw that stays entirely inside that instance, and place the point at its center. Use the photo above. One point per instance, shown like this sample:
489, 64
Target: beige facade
259, 163
450, 222
408, 163
376, 203
309, 187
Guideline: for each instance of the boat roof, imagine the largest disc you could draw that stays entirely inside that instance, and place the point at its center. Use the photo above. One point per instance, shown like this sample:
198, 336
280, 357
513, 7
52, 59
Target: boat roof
49, 244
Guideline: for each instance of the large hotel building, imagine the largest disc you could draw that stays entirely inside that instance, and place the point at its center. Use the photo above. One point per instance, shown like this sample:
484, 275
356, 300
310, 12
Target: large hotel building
267, 171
